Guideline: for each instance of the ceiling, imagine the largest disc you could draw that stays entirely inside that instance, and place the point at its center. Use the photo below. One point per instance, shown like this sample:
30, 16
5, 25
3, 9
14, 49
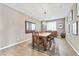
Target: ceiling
37, 10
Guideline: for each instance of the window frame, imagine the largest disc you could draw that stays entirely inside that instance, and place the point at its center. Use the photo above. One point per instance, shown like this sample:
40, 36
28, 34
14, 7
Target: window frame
52, 29
29, 30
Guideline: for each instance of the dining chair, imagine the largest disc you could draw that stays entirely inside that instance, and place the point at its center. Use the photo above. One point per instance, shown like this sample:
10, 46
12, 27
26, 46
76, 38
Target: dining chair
36, 40
51, 38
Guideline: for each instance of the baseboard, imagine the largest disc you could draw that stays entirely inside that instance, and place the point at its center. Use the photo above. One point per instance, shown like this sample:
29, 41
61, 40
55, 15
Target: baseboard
13, 44
72, 47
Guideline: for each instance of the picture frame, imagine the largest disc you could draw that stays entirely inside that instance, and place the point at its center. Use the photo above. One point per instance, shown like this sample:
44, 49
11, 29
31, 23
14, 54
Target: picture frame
69, 28
71, 16
77, 9
75, 28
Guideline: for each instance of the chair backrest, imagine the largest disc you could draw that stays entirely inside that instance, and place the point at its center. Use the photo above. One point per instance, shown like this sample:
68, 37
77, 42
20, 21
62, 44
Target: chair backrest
35, 36
54, 33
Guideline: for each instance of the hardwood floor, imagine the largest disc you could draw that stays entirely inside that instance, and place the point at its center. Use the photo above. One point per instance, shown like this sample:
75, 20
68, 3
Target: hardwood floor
65, 49
60, 48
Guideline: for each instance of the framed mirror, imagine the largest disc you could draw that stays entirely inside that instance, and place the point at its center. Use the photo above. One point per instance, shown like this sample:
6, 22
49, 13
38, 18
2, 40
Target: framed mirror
60, 26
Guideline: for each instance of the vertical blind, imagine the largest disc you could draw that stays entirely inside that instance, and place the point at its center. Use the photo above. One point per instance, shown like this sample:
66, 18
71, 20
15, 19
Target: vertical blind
51, 26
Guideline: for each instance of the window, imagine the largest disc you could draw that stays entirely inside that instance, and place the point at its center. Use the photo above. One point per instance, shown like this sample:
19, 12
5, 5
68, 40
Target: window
29, 27
51, 26
33, 26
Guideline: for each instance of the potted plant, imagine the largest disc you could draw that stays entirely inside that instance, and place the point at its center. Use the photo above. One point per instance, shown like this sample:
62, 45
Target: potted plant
62, 35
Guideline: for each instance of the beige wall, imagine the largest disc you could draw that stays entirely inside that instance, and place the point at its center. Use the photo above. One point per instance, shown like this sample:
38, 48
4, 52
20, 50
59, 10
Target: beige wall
72, 39
12, 26
59, 21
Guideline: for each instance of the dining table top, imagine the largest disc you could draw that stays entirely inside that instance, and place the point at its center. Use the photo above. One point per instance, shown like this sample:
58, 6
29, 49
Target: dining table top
44, 34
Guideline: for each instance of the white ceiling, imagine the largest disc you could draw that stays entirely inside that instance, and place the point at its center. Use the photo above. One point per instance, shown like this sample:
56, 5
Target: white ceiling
36, 10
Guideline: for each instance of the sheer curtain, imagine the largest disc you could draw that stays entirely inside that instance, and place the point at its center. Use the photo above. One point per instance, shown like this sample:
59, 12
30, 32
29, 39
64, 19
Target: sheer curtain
51, 26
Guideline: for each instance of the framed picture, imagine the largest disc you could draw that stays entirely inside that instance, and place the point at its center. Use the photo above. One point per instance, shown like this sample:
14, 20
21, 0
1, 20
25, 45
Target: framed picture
71, 16
68, 19
77, 9
75, 28
68, 28
60, 25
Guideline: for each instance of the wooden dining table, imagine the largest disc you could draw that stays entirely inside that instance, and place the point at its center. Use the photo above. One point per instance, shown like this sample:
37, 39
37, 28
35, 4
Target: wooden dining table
44, 36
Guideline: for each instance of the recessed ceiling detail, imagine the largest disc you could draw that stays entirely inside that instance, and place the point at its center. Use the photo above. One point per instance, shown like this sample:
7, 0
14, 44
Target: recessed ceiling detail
42, 11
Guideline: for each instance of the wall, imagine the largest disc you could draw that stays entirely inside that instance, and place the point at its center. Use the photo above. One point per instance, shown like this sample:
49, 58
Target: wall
59, 21
72, 39
12, 26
